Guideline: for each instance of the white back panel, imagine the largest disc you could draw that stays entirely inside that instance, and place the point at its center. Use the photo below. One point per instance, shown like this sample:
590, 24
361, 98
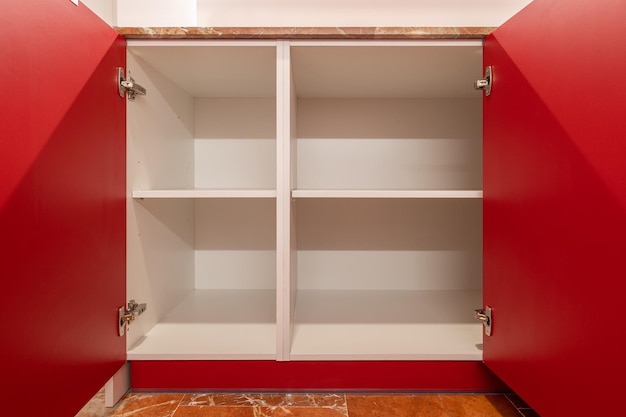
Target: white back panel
384, 270
364, 70
389, 144
389, 244
235, 244
214, 69
235, 145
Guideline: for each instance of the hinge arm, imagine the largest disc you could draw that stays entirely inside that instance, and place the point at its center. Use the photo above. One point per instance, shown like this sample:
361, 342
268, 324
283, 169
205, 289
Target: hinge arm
485, 316
486, 83
128, 86
126, 316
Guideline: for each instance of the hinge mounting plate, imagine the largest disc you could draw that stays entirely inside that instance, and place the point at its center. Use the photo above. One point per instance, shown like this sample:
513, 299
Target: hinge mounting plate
128, 314
126, 85
486, 317
486, 83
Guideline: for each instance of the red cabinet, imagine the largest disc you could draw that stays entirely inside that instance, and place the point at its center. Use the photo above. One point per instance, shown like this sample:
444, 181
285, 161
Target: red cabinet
553, 214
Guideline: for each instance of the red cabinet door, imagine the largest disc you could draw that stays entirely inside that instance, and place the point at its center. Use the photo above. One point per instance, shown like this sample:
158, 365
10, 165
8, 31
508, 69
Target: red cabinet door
555, 205
62, 206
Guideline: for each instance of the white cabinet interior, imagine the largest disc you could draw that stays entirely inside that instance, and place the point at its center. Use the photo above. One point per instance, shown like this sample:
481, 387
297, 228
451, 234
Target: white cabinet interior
305, 200
202, 223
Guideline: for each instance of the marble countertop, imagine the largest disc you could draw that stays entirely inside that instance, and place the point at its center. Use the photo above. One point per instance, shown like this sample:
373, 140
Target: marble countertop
338, 33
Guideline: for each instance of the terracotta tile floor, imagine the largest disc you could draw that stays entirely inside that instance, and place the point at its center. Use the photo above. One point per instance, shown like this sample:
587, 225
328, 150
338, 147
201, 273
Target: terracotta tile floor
317, 405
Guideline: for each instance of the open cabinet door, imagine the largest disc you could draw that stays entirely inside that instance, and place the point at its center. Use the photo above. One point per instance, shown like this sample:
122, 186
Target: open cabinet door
62, 206
555, 205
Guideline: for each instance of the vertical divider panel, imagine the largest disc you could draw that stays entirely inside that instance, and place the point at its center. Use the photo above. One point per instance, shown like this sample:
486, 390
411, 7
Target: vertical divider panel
292, 161
283, 191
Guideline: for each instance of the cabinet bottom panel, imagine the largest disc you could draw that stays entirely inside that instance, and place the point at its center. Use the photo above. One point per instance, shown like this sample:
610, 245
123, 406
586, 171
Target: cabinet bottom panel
214, 324
386, 325
312, 376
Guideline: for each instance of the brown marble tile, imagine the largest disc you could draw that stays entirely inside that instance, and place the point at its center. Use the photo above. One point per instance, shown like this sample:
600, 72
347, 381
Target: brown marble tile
267, 400
214, 411
300, 412
148, 405
478, 406
305, 400
389, 33
222, 399
374, 405
303, 405
272, 404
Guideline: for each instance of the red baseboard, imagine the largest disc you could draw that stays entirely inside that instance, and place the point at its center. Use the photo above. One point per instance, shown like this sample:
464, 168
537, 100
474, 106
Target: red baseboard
312, 376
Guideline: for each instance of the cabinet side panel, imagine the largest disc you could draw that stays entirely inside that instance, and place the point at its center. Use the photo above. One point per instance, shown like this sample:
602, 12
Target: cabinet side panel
160, 131
160, 267
160, 232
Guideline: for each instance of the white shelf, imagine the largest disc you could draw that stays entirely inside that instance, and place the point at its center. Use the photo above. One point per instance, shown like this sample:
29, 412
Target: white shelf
214, 324
204, 193
387, 194
386, 325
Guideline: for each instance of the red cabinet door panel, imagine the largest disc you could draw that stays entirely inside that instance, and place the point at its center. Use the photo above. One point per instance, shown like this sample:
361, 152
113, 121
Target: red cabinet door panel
62, 206
555, 205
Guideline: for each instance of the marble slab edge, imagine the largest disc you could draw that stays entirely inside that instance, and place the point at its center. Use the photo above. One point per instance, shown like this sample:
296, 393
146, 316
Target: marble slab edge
288, 33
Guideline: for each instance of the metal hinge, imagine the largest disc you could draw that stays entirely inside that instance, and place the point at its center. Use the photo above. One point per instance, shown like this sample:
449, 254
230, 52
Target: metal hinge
128, 85
486, 83
485, 317
126, 315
